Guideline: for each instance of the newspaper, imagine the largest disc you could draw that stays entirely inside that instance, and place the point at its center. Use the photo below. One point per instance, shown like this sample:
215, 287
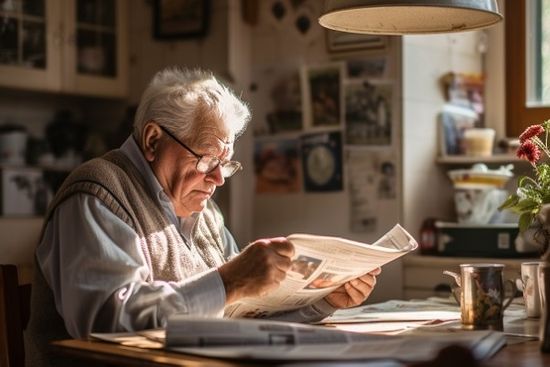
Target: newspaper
255, 339
320, 265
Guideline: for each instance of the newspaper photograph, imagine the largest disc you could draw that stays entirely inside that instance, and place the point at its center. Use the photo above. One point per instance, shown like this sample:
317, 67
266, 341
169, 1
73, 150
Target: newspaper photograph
320, 265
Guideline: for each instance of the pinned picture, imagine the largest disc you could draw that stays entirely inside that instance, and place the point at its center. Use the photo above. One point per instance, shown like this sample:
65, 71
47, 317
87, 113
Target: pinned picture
282, 97
322, 161
277, 166
368, 113
372, 177
323, 102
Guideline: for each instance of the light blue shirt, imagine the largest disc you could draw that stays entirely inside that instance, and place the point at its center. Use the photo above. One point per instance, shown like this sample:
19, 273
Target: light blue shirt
91, 258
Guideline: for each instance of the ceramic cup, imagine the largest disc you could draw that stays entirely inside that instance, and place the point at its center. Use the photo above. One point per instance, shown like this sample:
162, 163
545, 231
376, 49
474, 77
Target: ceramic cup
529, 285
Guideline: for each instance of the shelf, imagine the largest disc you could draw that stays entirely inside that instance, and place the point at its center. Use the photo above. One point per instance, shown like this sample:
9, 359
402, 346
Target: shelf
438, 261
463, 159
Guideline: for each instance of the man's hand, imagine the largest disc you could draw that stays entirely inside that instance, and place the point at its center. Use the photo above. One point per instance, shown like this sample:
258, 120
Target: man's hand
354, 292
261, 267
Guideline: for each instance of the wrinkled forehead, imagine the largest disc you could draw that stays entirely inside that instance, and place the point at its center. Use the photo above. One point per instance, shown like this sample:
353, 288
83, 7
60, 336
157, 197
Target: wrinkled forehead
214, 140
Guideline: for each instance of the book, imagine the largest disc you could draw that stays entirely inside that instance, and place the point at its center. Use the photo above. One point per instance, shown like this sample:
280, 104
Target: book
319, 266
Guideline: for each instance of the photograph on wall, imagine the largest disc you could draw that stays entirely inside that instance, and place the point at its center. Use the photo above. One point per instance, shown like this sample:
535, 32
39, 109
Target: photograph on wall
277, 166
368, 113
367, 67
324, 95
372, 186
286, 101
322, 162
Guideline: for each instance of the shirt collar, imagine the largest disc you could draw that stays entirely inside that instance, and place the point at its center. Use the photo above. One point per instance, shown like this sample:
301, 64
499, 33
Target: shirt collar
134, 153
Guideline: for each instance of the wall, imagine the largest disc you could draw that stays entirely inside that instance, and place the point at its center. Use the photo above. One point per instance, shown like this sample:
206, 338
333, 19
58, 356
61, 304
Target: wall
427, 190
278, 45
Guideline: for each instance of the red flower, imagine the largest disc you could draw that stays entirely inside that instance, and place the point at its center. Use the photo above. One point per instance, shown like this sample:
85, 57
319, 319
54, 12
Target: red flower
530, 132
529, 150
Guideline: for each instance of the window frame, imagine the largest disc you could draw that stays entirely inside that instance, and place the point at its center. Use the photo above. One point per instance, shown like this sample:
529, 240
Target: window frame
518, 114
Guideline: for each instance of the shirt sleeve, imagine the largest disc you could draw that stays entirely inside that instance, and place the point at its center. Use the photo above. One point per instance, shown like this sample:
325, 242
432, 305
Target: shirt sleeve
94, 265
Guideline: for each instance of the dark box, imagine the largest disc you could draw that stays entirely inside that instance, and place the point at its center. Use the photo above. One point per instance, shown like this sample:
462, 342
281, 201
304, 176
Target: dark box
492, 240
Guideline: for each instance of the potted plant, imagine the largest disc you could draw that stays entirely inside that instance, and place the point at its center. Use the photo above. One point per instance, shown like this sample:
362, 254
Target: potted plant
532, 202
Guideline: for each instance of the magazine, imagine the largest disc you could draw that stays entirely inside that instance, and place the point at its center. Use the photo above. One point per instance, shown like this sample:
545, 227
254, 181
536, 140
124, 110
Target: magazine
320, 265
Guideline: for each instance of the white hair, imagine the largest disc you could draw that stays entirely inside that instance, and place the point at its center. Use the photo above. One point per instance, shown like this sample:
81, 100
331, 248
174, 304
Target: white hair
184, 100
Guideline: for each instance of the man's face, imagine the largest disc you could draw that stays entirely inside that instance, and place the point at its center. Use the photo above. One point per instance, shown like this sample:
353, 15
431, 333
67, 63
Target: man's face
175, 168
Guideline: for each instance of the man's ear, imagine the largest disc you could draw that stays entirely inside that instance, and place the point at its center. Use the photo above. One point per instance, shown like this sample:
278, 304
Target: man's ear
150, 140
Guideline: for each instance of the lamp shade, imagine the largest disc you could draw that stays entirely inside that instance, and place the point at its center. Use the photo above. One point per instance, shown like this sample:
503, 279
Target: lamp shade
395, 17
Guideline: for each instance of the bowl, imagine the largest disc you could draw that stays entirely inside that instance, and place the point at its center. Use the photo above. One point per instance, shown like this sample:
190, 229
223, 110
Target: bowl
479, 176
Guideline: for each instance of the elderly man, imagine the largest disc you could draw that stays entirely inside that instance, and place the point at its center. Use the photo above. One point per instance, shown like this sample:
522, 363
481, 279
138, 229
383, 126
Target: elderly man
133, 237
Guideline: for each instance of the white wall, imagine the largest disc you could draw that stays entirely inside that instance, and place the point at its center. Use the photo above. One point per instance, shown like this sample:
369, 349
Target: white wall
427, 190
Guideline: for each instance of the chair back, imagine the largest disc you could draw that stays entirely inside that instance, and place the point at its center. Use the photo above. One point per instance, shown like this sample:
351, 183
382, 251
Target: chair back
15, 291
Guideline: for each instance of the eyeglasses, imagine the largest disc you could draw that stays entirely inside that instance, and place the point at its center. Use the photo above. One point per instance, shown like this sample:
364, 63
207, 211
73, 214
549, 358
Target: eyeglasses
208, 163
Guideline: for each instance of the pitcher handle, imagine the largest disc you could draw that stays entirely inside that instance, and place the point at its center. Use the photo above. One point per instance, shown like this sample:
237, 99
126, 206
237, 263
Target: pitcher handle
454, 290
513, 289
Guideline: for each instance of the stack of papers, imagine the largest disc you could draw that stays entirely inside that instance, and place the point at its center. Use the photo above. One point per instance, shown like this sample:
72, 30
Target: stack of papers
414, 332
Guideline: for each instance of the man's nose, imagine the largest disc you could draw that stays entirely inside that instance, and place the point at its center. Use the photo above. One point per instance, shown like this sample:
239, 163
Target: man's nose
216, 176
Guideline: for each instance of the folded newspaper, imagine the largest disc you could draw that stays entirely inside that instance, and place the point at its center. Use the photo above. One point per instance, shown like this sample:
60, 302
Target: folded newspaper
276, 340
320, 265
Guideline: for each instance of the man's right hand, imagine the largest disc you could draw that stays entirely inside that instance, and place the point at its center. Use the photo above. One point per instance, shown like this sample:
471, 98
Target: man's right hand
259, 268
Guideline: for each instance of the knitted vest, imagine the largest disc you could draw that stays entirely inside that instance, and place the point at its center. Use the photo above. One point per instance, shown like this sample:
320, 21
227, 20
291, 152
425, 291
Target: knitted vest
115, 181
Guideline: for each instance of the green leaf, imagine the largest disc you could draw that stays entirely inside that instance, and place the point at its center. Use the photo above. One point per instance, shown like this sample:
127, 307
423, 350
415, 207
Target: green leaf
511, 201
525, 221
527, 205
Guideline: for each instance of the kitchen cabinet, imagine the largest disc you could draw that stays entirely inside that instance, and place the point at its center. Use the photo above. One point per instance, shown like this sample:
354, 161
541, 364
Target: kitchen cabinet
69, 46
423, 275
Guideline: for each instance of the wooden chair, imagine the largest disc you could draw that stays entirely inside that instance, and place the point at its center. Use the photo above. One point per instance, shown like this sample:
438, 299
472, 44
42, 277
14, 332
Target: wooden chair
15, 291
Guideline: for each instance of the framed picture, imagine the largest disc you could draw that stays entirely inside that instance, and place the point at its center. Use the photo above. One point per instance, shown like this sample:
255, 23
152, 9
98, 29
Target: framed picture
180, 18
323, 97
349, 42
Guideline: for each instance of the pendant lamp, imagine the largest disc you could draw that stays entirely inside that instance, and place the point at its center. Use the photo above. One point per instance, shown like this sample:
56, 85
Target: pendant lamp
397, 17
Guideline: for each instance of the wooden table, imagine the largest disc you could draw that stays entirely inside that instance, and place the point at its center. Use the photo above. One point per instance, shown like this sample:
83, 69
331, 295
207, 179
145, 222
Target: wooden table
525, 354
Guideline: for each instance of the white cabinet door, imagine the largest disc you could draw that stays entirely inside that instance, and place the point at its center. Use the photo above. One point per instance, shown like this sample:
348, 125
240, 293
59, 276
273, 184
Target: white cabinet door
31, 40
71, 46
95, 56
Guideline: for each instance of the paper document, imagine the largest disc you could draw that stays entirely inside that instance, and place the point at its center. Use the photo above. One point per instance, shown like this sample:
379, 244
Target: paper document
398, 310
275, 340
320, 265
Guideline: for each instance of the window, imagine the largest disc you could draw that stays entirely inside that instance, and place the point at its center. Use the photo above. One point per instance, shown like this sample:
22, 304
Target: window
527, 25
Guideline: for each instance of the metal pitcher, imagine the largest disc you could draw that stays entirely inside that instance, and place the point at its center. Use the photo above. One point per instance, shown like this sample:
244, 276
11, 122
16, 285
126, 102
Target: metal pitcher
479, 290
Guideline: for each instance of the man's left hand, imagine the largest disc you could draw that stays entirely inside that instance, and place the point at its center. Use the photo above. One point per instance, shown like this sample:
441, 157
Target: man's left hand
354, 292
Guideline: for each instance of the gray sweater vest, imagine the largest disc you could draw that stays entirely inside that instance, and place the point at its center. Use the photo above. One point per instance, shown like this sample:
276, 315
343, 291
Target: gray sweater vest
115, 181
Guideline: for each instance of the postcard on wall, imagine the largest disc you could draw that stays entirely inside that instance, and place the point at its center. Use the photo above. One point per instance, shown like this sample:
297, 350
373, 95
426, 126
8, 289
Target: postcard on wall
367, 67
323, 98
322, 161
277, 166
368, 113
280, 93
372, 185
